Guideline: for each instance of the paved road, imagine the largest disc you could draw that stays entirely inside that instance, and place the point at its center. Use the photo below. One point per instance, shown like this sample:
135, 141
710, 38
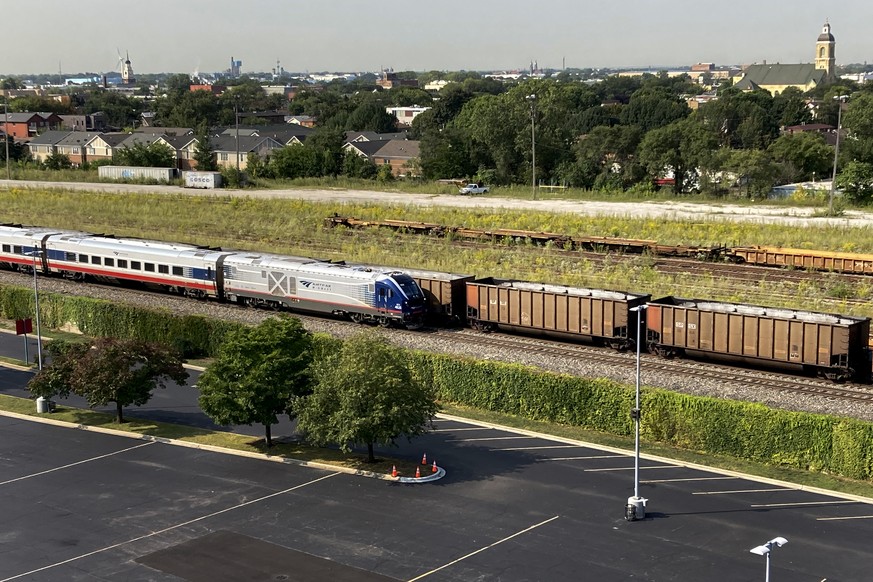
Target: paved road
672, 210
513, 507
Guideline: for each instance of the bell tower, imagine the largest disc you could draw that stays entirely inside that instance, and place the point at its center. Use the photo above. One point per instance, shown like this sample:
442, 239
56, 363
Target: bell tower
824, 52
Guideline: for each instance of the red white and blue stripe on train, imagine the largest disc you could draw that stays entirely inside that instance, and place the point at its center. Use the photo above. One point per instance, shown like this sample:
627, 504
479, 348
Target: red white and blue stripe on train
365, 294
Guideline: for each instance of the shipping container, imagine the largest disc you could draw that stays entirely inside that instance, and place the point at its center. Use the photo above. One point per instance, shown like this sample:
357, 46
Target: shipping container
591, 314
854, 263
136, 173
835, 346
209, 180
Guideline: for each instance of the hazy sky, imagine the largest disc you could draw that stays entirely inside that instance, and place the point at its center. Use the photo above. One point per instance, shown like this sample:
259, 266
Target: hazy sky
356, 35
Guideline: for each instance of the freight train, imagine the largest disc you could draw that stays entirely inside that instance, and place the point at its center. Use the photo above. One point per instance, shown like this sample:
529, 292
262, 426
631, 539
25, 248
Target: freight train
833, 346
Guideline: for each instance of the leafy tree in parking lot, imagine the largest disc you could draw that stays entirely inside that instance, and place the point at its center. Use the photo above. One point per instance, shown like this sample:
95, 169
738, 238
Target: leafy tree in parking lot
259, 373
125, 372
367, 394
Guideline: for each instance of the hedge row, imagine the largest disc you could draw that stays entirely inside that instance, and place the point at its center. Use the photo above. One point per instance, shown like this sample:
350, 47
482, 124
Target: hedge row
743, 430
193, 335
740, 429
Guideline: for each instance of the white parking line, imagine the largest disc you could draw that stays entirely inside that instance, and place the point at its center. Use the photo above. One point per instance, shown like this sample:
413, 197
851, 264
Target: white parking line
581, 458
74, 464
740, 491
799, 503
540, 448
631, 468
843, 518
166, 529
688, 479
480, 550
509, 438
460, 429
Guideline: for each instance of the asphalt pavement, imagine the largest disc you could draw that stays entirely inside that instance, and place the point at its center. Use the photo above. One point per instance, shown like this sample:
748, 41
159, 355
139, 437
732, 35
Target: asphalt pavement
79, 505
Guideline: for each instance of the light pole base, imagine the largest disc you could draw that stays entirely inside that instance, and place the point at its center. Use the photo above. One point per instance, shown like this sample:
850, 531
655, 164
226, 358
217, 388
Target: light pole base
635, 509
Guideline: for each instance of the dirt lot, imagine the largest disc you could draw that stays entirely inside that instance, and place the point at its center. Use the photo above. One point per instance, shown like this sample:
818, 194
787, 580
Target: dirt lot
669, 210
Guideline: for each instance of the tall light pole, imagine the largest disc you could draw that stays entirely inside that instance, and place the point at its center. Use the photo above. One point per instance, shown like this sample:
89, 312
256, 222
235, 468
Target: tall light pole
841, 99
6, 133
36, 254
636, 505
765, 550
236, 121
532, 98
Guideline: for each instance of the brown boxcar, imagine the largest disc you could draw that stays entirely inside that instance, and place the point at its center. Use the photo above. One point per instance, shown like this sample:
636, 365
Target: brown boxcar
854, 263
835, 346
444, 293
592, 314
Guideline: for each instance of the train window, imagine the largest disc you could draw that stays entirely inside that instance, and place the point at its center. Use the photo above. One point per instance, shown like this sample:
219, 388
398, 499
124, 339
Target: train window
109, 262
17, 250
95, 260
7, 248
381, 292
135, 265
70, 257
164, 269
150, 267
83, 258
122, 263
179, 271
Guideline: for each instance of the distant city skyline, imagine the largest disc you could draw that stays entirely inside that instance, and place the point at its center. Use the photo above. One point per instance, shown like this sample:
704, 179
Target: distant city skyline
196, 36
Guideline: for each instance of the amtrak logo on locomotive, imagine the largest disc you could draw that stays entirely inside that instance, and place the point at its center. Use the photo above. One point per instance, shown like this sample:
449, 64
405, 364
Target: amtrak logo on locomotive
315, 286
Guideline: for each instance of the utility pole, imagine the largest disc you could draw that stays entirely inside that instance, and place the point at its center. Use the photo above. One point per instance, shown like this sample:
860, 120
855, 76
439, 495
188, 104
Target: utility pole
533, 144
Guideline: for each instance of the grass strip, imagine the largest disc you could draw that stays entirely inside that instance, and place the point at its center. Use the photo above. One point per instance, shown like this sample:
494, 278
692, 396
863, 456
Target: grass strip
804, 478
229, 440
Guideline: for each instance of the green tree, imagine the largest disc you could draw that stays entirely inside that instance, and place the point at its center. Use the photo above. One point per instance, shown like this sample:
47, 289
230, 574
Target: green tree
368, 394
754, 169
56, 161
803, 154
154, 155
122, 371
17, 151
355, 166
685, 147
204, 154
856, 182
295, 161
259, 373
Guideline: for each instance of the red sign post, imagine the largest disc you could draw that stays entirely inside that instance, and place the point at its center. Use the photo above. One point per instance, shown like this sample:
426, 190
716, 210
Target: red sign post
23, 326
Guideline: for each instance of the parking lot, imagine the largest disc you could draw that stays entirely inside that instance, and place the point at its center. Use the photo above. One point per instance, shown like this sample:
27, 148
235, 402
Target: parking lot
81, 505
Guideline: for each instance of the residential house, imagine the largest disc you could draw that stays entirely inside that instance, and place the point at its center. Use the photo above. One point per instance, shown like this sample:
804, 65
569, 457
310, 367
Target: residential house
373, 136
285, 133
25, 125
214, 89
231, 151
405, 115
400, 154
74, 146
93, 122
829, 132
185, 147
45, 144
165, 130
103, 146
304, 120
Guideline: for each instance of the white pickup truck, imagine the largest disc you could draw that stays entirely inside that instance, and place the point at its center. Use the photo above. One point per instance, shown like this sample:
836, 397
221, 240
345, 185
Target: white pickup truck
474, 189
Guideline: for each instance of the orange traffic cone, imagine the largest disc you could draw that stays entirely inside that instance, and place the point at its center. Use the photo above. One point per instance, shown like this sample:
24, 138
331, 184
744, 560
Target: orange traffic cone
424, 459
434, 470
394, 470
417, 473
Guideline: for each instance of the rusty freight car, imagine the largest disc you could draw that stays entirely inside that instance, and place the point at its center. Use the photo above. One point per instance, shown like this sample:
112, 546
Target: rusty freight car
592, 314
833, 346
853, 263
445, 294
